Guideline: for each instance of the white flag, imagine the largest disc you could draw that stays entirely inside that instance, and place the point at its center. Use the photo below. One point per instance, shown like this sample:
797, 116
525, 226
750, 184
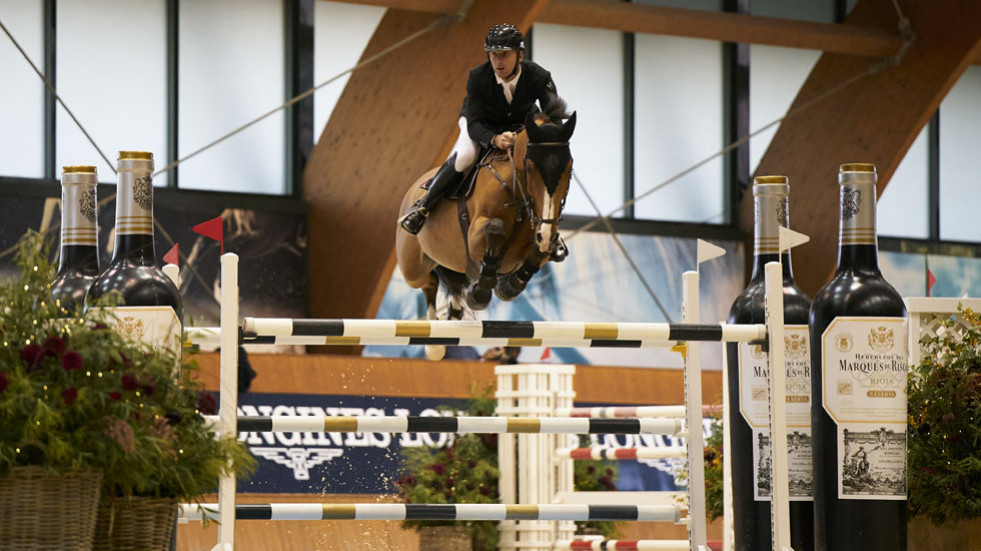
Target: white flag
708, 251
790, 239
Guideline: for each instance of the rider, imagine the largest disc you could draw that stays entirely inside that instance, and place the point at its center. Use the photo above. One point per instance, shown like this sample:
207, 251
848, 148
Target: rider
500, 93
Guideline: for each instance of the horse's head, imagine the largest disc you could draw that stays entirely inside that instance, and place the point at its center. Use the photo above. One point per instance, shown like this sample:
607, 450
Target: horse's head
548, 167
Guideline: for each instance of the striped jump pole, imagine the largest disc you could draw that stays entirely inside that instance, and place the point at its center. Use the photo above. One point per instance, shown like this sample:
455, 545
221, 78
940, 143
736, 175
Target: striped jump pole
621, 545
421, 511
621, 454
628, 545
632, 411
490, 333
457, 425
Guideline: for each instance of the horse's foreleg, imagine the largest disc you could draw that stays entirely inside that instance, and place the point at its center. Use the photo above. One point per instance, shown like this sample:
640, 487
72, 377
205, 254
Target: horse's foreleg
492, 235
430, 290
511, 285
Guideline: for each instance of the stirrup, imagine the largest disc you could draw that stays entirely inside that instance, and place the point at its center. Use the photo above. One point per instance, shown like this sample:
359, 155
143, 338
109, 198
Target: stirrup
413, 220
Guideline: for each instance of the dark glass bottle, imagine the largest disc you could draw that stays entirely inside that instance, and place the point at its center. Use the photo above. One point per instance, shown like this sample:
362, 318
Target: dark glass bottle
79, 264
749, 383
151, 309
858, 411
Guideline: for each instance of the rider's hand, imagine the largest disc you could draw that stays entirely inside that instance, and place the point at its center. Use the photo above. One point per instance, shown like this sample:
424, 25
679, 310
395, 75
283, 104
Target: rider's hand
503, 140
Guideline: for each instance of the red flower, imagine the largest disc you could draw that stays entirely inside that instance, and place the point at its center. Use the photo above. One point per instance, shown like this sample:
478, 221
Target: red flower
54, 346
32, 355
130, 382
484, 490
947, 418
117, 396
438, 468
71, 360
4, 382
69, 395
99, 327
149, 387
207, 404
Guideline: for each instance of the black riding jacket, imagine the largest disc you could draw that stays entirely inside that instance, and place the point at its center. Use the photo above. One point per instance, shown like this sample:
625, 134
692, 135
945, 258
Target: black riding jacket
487, 110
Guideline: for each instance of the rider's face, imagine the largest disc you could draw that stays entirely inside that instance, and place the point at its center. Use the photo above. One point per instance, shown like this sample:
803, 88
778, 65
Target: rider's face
503, 62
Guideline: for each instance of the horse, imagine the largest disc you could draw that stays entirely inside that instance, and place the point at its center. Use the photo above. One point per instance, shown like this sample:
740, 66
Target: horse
507, 231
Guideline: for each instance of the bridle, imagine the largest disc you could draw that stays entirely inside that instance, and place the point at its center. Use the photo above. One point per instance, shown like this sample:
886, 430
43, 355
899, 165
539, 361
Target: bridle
529, 202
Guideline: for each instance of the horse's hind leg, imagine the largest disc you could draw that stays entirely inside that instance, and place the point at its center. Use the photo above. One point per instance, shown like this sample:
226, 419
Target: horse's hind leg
455, 284
492, 235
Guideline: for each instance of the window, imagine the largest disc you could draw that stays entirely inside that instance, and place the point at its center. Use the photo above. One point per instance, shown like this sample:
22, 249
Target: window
678, 116
232, 70
22, 92
341, 32
960, 141
587, 66
903, 210
112, 74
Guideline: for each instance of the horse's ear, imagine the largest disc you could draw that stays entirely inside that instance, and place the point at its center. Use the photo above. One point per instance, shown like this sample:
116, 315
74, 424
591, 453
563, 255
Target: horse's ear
532, 128
569, 127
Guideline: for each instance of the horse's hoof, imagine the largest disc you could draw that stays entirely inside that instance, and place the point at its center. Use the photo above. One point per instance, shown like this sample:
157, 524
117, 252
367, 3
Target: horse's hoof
509, 288
478, 298
435, 352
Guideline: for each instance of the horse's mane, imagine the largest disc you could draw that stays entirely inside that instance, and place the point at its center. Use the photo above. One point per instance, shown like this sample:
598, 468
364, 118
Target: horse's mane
553, 113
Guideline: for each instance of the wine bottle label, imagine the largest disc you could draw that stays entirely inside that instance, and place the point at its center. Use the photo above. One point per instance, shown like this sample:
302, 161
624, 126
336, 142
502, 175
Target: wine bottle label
865, 361
754, 395
78, 210
155, 326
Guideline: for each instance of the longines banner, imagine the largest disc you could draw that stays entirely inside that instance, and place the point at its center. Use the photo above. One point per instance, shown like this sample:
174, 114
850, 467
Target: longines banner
370, 463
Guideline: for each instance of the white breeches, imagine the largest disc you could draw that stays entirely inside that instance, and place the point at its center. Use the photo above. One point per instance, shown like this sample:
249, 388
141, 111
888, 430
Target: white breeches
465, 149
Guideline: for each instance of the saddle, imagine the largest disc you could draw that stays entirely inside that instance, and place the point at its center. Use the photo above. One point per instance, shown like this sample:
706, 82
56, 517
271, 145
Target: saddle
465, 188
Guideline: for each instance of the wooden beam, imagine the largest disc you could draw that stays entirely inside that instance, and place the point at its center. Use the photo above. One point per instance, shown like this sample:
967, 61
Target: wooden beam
874, 119
726, 27
424, 6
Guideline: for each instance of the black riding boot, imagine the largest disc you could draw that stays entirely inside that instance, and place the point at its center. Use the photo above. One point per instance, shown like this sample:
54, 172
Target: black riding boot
446, 179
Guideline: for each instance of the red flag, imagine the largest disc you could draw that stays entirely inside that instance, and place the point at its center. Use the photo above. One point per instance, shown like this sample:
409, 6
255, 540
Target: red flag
173, 256
546, 354
213, 229
931, 279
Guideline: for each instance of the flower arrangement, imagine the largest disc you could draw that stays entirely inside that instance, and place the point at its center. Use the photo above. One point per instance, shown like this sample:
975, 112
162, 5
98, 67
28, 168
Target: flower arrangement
466, 471
712, 451
944, 406
74, 394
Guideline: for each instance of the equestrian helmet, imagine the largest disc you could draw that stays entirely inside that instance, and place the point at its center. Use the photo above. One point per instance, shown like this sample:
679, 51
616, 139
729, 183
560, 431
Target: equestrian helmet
504, 37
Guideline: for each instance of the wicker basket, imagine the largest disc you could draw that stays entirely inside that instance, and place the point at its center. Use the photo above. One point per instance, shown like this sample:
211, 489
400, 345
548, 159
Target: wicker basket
135, 523
39, 510
445, 538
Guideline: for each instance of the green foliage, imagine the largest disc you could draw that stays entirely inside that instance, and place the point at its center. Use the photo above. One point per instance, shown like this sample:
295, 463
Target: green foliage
595, 476
466, 471
75, 394
712, 452
944, 408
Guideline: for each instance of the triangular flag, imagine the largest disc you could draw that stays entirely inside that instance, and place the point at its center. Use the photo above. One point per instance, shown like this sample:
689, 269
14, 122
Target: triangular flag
173, 256
708, 251
546, 354
931, 279
790, 239
213, 229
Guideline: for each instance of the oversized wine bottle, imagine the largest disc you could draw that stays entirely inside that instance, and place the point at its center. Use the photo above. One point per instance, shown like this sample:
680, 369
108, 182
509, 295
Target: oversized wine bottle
749, 388
79, 264
858, 412
151, 309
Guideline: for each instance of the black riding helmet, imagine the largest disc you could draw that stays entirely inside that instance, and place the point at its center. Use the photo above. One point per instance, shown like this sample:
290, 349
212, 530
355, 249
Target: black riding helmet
504, 37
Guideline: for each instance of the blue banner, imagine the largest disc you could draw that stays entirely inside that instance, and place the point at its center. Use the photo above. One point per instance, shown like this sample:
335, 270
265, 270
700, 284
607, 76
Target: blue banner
370, 463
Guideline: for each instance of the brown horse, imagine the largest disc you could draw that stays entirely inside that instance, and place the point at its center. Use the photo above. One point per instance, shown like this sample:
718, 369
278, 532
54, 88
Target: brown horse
511, 223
